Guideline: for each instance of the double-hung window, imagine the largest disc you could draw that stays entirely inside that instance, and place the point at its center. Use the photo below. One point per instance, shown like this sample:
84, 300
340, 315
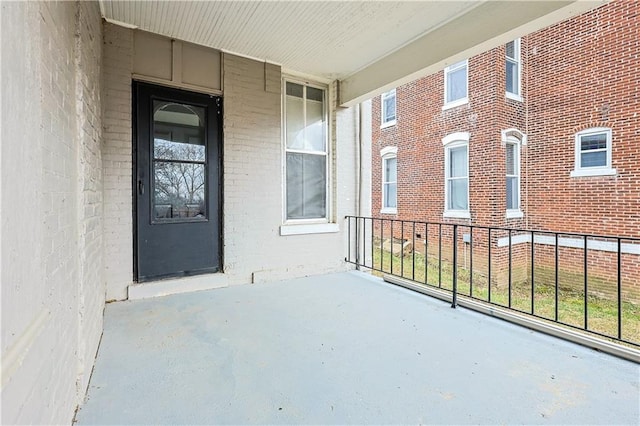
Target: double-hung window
389, 180
456, 166
513, 70
513, 140
388, 108
307, 151
513, 178
593, 153
455, 84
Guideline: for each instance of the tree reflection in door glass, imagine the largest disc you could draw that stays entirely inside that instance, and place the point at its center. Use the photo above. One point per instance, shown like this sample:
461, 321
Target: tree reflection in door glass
179, 190
179, 161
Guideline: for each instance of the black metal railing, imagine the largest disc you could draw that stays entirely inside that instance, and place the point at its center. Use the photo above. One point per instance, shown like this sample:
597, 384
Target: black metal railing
583, 281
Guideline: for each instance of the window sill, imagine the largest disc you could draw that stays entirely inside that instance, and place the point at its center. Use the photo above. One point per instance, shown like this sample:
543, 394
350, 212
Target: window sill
389, 210
460, 214
456, 103
312, 228
388, 124
514, 214
513, 96
593, 172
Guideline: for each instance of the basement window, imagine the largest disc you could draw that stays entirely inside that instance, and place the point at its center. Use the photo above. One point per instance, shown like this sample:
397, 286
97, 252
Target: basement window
593, 153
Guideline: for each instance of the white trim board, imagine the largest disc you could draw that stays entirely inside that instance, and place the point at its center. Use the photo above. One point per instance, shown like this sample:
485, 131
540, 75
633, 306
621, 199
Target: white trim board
572, 242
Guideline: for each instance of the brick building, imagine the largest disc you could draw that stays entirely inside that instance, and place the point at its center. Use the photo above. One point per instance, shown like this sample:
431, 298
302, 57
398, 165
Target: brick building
541, 133
543, 115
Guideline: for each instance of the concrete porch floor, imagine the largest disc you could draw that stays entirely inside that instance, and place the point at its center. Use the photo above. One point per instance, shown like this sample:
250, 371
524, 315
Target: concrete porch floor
342, 348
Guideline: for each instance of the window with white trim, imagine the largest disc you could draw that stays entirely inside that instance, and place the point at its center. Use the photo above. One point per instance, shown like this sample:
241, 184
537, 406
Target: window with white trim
456, 175
513, 70
389, 180
593, 153
306, 151
388, 108
512, 140
512, 149
455, 84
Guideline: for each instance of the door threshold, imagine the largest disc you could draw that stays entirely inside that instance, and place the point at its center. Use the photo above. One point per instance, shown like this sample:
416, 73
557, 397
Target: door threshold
177, 285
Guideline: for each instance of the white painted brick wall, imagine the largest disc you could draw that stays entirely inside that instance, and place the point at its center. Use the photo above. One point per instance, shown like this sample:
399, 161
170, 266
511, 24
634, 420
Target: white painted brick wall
117, 160
253, 172
253, 179
92, 288
52, 293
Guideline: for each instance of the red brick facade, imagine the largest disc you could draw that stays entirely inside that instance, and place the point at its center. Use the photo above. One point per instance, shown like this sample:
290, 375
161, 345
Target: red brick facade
579, 74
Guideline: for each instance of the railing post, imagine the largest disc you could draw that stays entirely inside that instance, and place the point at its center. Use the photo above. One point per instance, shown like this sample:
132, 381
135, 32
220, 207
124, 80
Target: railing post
586, 289
439, 255
357, 245
348, 256
533, 273
509, 268
489, 266
454, 299
619, 259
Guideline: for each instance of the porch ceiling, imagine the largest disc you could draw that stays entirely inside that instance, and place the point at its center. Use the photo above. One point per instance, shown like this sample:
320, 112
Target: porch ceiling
370, 46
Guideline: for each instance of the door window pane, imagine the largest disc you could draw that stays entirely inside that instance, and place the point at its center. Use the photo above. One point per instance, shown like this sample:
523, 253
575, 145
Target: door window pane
178, 190
179, 161
178, 132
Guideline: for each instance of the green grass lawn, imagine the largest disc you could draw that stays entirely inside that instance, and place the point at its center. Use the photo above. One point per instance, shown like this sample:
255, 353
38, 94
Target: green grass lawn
602, 314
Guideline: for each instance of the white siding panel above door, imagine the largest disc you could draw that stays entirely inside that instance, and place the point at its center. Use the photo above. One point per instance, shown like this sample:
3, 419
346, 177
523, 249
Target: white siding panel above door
152, 55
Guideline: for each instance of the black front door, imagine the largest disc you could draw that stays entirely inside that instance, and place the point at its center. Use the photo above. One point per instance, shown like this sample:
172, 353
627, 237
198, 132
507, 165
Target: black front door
178, 148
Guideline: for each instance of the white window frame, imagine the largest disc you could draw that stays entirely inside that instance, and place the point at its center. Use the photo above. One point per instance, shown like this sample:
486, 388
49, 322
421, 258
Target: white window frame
386, 154
388, 123
517, 212
311, 225
452, 68
515, 137
517, 60
607, 169
455, 140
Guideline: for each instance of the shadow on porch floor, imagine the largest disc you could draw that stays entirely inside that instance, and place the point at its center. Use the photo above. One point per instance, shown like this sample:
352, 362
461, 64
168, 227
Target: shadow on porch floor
342, 348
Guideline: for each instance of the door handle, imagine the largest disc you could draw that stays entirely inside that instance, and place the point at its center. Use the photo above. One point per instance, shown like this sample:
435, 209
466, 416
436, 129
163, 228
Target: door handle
140, 187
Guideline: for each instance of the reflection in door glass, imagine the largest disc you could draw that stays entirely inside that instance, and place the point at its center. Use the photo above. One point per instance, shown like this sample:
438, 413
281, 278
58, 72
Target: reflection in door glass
179, 161
178, 132
179, 190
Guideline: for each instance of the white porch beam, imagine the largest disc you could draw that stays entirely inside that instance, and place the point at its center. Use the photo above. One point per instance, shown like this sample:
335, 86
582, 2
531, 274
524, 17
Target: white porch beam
484, 27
